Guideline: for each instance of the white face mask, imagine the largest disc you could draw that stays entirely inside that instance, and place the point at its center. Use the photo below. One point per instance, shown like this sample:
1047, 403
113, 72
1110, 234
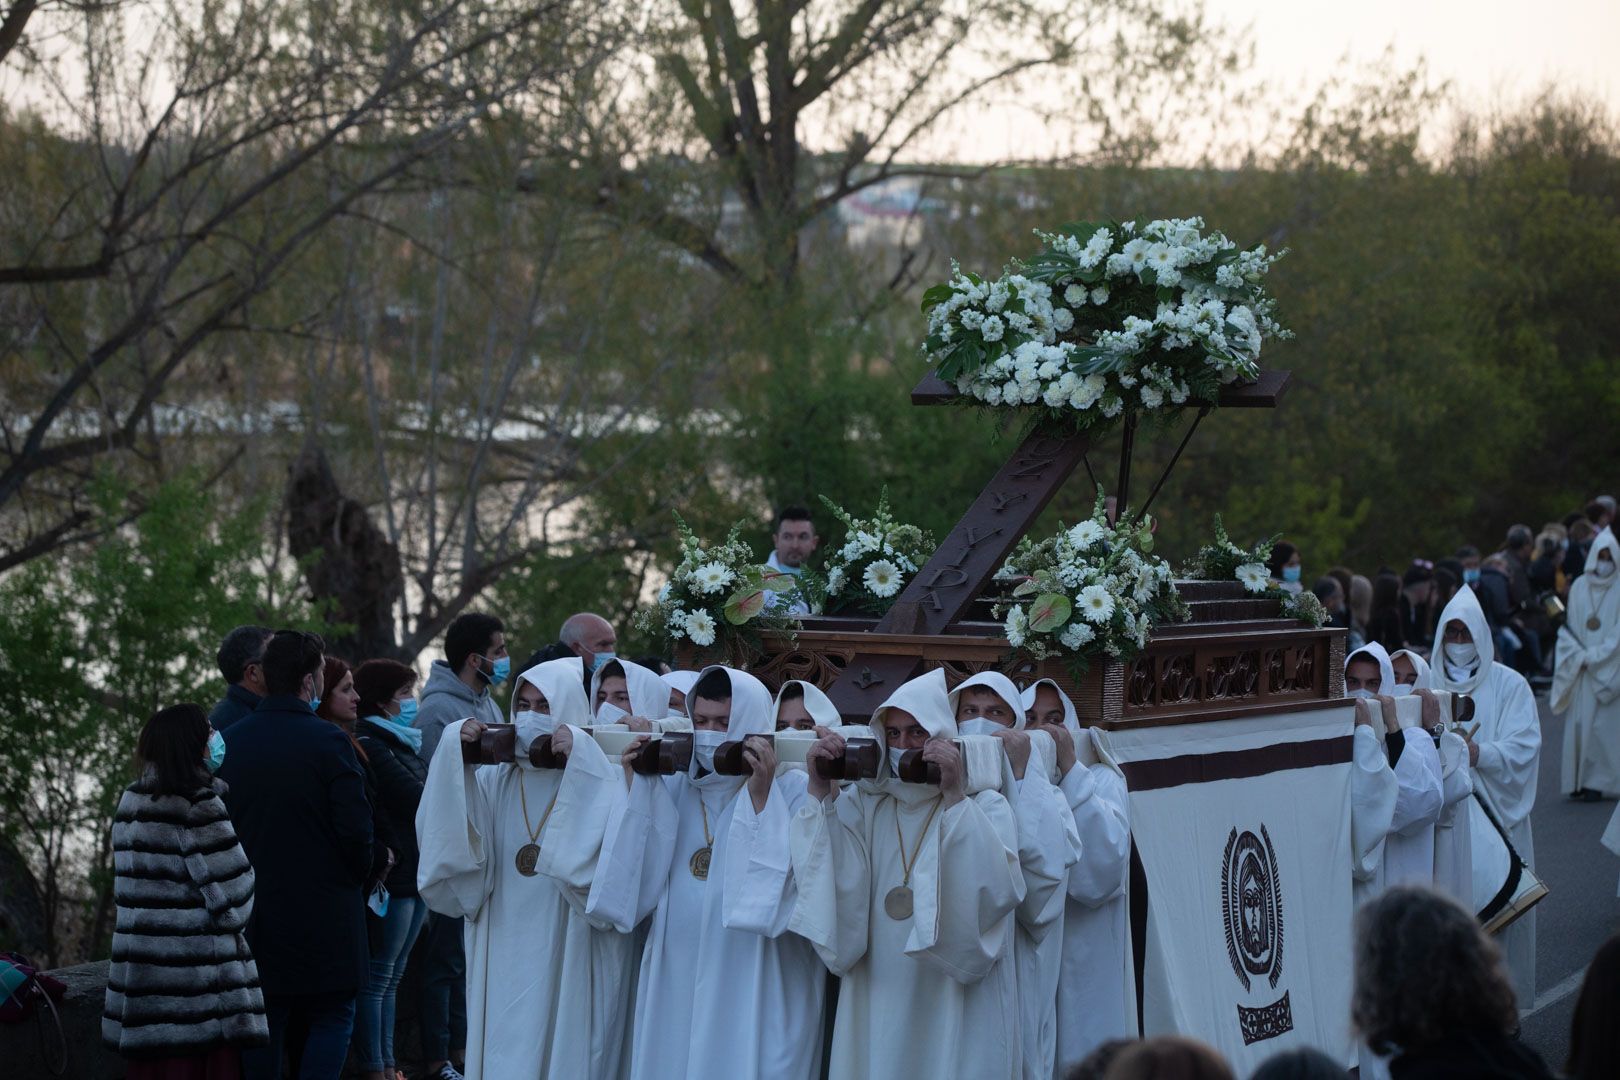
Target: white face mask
1461, 654
978, 725
1400, 689
1362, 692
610, 713
1603, 569
531, 727
895, 754
704, 744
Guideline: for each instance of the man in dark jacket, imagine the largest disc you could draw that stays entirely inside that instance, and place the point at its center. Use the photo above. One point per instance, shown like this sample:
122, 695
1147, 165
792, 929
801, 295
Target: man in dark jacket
241, 661
297, 798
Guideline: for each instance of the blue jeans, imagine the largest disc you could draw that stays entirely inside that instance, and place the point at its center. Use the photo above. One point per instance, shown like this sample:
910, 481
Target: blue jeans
444, 988
324, 1021
374, 1011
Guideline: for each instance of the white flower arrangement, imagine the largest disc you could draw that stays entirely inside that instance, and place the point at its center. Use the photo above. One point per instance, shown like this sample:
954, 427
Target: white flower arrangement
715, 593
1109, 318
878, 557
1092, 590
1223, 560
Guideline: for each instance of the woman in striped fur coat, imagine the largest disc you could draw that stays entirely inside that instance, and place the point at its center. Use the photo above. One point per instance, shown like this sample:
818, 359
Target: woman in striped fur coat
183, 993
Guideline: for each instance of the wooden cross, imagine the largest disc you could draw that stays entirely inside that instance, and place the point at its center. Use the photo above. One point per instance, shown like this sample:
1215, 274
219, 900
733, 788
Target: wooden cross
974, 550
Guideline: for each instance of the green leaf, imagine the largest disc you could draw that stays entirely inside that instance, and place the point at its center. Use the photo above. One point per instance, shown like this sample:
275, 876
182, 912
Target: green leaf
744, 606
1050, 611
1027, 587
777, 582
936, 295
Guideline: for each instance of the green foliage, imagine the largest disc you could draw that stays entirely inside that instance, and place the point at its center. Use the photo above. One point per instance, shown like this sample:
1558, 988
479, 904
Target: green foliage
92, 646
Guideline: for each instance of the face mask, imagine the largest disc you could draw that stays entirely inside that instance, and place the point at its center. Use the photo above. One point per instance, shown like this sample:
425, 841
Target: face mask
1363, 693
314, 704
1291, 573
532, 726
610, 713
407, 713
704, 744
1471, 577
979, 726
1401, 689
598, 659
895, 754
216, 751
502, 668
1603, 569
378, 901
1460, 654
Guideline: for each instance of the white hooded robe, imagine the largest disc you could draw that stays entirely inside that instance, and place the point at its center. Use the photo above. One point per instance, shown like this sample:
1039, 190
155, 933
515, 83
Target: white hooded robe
934, 995
725, 990
547, 993
1586, 681
1096, 992
1509, 741
1409, 848
1453, 861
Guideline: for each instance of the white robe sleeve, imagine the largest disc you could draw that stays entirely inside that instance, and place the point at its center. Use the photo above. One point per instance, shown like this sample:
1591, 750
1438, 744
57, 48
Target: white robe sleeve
637, 850
1569, 663
1048, 844
1417, 782
966, 884
1098, 800
591, 789
453, 828
1456, 782
832, 870
1507, 762
1372, 803
759, 894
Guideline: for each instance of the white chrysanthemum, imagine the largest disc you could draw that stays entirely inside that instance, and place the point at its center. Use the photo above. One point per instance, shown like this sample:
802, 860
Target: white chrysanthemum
1152, 397
1063, 320
993, 328
883, 578
1077, 635
1085, 534
835, 580
866, 541
1074, 295
1255, 577
1095, 604
1015, 626
712, 577
700, 628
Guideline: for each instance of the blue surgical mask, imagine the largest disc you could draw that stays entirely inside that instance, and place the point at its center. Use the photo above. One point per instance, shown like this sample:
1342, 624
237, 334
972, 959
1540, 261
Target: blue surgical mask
598, 659
1471, 576
502, 668
216, 751
314, 704
1291, 573
407, 713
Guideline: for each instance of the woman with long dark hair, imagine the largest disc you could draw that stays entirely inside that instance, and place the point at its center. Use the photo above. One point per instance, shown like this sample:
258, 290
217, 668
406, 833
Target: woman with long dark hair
183, 994
1594, 1037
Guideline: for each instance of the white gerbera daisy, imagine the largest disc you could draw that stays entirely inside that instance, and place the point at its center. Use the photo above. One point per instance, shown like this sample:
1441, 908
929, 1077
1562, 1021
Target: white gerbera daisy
1095, 604
1255, 577
700, 628
883, 578
1085, 534
1015, 627
712, 577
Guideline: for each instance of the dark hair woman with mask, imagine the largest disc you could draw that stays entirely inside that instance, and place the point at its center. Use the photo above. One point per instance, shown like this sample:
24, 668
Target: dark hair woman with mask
386, 690
183, 994
1285, 566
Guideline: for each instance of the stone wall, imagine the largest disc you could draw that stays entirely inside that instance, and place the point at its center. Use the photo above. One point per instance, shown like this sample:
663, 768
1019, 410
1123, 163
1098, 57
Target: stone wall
33, 1050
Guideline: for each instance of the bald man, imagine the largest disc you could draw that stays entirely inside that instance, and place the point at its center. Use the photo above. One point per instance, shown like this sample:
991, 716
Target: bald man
589, 637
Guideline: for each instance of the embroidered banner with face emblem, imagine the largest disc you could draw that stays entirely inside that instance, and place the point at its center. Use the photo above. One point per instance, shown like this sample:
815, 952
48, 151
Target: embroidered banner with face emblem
1242, 831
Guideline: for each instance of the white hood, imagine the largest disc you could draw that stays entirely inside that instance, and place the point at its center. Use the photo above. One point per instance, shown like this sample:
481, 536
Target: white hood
1086, 750
649, 694
1003, 688
751, 705
1425, 676
816, 703
1386, 670
1604, 541
678, 680
1464, 608
923, 697
559, 681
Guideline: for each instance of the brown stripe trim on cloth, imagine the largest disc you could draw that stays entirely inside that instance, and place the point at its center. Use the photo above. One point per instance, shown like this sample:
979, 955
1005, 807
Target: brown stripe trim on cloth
1235, 764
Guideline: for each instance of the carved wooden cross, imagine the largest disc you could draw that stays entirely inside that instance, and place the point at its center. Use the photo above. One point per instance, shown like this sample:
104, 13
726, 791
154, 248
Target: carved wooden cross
974, 550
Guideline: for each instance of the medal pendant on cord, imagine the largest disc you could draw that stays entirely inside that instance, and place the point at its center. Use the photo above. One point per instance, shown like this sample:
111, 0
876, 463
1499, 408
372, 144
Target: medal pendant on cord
528, 857
1594, 623
699, 862
897, 903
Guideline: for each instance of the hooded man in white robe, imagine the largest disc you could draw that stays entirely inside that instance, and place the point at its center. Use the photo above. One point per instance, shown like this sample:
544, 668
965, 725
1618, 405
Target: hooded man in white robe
1048, 845
1409, 847
908, 891
725, 990
626, 693
1586, 680
680, 684
1504, 752
1453, 860
802, 706
1096, 991
548, 994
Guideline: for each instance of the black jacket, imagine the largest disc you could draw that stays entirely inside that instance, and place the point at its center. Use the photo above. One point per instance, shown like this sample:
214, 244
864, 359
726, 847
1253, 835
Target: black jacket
1495, 597
1470, 1055
399, 774
297, 797
236, 704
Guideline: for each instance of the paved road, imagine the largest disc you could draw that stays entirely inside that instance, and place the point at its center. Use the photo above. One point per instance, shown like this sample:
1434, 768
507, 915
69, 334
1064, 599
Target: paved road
1581, 910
